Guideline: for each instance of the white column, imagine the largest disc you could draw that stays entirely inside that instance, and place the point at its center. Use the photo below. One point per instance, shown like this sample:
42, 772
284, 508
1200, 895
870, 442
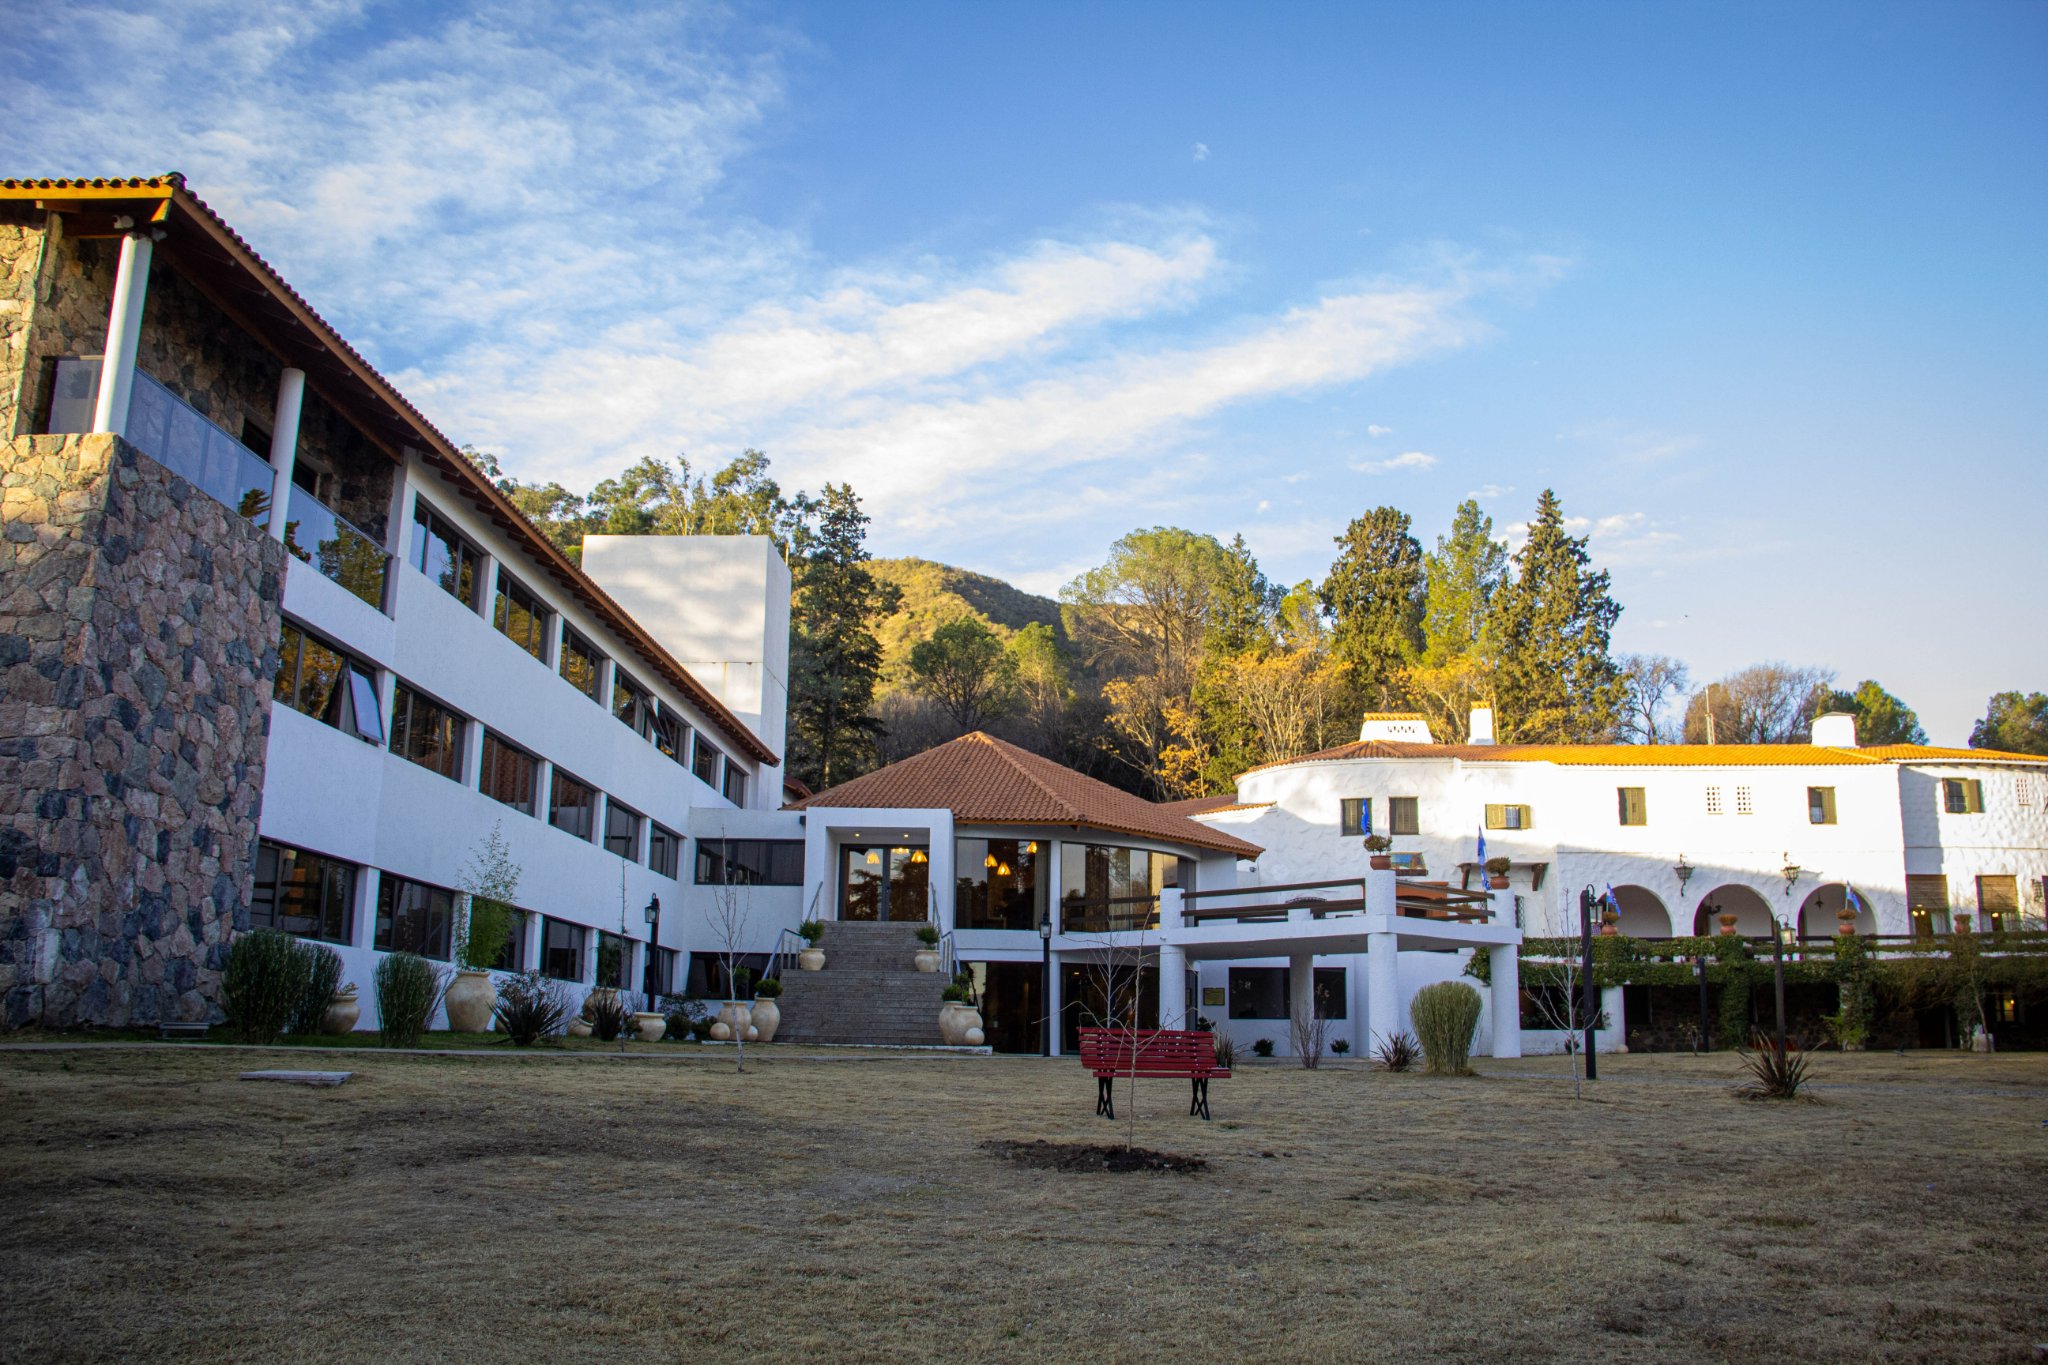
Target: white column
1500, 906
1617, 1018
1173, 986
398, 522
1052, 1002
1381, 887
1383, 987
124, 331
487, 586
1506, 961
284, 446
1301, 996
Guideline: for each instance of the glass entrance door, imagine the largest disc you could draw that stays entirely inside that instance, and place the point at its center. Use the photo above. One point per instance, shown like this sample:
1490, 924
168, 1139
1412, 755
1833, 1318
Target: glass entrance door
883, 882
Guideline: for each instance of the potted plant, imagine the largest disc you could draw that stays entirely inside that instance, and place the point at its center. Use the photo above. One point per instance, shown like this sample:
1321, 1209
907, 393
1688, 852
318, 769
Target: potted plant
812, 957
1610, 920
926, 959
1497, 873
342, 1012
650, 1025
957, 1016
1378, 846
489, 883
766, 1015
1845, 920
1727, 923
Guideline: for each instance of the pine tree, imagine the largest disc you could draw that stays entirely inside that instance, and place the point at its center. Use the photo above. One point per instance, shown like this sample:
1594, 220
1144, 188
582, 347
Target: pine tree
834, 656
1463, 575
1556, 681
1374, 596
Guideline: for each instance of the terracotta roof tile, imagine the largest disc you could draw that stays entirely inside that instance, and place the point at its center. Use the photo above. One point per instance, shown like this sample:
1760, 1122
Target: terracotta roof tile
985, 781
1603, 755
1928, 753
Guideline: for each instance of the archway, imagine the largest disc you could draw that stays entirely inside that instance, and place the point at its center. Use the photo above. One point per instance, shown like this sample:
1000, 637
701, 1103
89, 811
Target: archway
1752, 912
1818, 914
1642, 913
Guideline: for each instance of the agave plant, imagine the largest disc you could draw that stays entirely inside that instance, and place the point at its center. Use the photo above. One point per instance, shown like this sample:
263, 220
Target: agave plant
1398, 1053
1773, 1075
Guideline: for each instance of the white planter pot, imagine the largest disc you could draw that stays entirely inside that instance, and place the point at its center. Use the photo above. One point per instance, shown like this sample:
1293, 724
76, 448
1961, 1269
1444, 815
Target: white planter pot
721, 1032
925, 960
469, 1002
579, 1028
651, 1025
955, 1019
341, 1014
811, 960
766, 1018
737, 1018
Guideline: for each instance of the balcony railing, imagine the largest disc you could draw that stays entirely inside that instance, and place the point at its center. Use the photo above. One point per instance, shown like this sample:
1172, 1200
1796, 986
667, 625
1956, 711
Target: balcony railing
338, 550
184, 441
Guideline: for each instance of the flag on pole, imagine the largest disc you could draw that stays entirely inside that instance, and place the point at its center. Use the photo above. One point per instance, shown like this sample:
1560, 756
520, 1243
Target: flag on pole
1854, 901
1613, 899
1482, 845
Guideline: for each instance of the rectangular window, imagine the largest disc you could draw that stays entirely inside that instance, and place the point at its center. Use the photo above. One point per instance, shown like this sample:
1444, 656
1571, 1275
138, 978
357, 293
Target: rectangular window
440, 552
572, 805
614, 961
1744, 803
750, 862
581, 663
512, 957
621, 830
664, 971
633, 707
321, 681
2022, 789
1962, 796
302, 893
426, 732
1266, 993
521, 617
561, 950
1634, 809
1105, 889
664, 849
1927, 902
413, 917
704, 763
1820, 805
510, 774
1404, 815
669, 734
1713, 800
1998, 902
998, 884
735, 783
1354, 815
1509, 817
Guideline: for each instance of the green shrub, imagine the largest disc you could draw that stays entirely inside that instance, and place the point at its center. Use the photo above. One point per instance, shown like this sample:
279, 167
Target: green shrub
1262, 1047
323, 975
263, 985
743, 983
768, 989
1773, 1075
1341, 1046
1446, 1016
608, 1013
928, 935
485, 933
811, 931
408, 987
956, 991
530, 1007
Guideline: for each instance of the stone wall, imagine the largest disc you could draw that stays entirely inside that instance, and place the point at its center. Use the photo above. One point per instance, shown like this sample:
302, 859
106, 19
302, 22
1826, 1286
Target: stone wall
60, 290
138, 640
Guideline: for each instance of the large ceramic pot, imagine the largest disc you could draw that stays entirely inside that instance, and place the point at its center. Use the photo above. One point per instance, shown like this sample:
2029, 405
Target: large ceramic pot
925, 960
721, 1032
1727, 924
341, 1013
811, 960
651, 1025
766, 1017
579, 1028
1845, 921
1496, 882
955, 1019
1382, 862
736, 1017
469, 1002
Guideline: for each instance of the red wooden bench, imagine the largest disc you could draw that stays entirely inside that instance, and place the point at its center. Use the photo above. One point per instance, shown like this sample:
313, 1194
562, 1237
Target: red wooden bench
1187, 1054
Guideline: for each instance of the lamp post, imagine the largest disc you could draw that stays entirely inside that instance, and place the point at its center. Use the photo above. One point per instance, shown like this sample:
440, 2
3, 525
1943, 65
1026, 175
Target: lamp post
1045, 976
1706, 1024
1778, 931
1592, 992
653, 913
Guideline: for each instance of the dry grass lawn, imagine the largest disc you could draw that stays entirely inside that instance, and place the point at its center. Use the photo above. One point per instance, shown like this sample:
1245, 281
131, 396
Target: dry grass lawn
840, 1207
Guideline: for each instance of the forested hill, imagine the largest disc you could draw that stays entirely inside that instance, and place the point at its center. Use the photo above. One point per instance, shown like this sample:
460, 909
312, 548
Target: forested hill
934, 594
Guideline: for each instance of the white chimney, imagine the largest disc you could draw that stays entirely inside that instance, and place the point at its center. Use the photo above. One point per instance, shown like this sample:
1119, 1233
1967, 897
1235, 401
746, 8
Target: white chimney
1407, 727
1835, 730
1481, 731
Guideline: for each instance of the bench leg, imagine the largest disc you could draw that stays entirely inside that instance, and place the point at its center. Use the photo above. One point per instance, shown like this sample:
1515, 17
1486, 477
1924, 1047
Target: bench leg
1199, 1103
1105, 1091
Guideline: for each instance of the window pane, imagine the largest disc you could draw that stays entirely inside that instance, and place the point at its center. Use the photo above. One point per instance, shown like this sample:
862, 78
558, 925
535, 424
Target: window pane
1403, 816
996, 884
1105, 888
579, 663
735, 784
426, 732
368, 720
519, 614
622, 831
302, 893
668, 735
571, 807
664, 847
632, 706
705, 764
562, 950
508, 774
413, 917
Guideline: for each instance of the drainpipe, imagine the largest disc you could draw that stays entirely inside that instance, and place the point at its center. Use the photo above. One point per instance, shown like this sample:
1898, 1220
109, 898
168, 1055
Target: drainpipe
284, 446
124, 332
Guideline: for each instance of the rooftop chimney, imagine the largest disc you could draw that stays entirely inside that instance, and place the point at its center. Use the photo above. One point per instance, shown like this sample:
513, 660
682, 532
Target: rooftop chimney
1482, 726
1835, 730
1406, 727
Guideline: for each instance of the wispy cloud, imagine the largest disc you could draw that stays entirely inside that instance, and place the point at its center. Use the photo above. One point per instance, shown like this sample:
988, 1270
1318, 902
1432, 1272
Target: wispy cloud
1376, 431
1487, 492
1201, 151
1410, 459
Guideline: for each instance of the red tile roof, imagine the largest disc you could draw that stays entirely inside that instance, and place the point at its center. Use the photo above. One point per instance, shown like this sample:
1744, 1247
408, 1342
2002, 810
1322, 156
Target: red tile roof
985, 781
1657, 755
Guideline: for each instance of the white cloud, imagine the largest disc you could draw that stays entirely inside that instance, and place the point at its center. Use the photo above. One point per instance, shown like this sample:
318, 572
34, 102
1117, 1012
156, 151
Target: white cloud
1376, 431
1201, 151
1487, 492
1411, 459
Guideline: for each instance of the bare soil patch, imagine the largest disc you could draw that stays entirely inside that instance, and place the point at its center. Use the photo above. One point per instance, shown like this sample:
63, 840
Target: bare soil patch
1092, 1156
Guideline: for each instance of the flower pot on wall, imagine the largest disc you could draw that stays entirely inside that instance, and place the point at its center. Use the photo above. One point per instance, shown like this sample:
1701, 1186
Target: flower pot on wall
469, 1002
1610, 923
1727, 924
1382, 862
1496, 883
811, 960
1845, 921
766, 1017
341, 1013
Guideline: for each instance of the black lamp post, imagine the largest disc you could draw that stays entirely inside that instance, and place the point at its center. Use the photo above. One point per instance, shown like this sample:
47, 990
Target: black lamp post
653, 913
1592, 992
1045, 977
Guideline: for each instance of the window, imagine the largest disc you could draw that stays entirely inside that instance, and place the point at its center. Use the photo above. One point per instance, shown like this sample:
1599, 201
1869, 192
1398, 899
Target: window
1106, 888
1743, 802
1634, 810
561, 950
512, 957
1998, 902
1354, 815
426, 732
2001, 1007
1403, 815
621, 830
704, 762
581, 663
319, 680
1713, 800
1927, 902
1265, 993
633, 707
302, 893
440, 552
997, 884
1820, 805
1509, 817
413, 917
572, 805
664, 965
669, 734
750, 862
521, 617
735, 783
510, 774
614, 961
664, 849
2022, 789
1962, 796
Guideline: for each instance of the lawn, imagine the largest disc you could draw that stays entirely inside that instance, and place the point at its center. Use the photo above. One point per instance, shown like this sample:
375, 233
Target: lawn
841, 1206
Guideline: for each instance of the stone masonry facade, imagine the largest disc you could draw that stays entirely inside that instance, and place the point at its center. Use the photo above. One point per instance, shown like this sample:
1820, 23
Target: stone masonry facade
138, 640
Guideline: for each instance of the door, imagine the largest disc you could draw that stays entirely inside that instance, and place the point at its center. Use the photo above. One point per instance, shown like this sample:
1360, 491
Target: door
880, 882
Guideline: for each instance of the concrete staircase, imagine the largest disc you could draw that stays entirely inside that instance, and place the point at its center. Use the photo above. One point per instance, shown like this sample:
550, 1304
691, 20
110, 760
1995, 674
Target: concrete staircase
868, 992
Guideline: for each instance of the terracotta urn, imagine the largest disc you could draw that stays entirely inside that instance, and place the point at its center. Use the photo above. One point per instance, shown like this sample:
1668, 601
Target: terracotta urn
736, 1017
469, 1002
925, 960
1728, 924
341, 1013
1496, 882
1845, 921
766, 1018
1610, 923
651, 1025
721, 1032
811, 960
1382, 862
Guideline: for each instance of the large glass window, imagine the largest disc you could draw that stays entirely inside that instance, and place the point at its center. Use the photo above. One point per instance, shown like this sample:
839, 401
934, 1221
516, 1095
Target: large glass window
561, 950
1354, 815
316, 678
512, 957
302, 893
751, 862
440, 552
572, 805
510, 774
621, 830
997, 884
1104, 888
669, 733
581, 663
705, 762
1267, 993
631, 704
735, 783
664, 849
884, 882
661, 972
521, 616
413, 917
614, 961
426, 732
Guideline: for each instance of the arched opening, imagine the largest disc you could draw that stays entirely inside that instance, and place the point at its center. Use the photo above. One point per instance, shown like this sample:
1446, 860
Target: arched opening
1819, 914
1642, 914
1752, 912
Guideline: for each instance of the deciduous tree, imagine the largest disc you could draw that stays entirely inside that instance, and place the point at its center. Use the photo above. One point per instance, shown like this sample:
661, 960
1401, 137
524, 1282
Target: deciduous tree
1651, 682
965, 669
1769, 703
2014, 723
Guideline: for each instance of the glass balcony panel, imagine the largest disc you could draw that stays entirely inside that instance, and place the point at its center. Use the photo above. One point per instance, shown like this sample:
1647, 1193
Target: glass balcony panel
338, 550
176, 435
71, 403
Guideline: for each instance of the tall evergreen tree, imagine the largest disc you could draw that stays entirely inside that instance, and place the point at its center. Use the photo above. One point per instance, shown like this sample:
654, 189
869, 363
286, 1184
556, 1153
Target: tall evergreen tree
1556, 682
834, 658
2013, 722
1462, 577
1374, 595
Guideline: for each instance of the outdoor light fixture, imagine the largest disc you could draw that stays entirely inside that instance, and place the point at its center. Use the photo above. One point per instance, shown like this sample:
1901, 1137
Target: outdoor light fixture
917, 856
1684, 873
1002, 869
1032, 847
653, 911
1790, 873
1045, 977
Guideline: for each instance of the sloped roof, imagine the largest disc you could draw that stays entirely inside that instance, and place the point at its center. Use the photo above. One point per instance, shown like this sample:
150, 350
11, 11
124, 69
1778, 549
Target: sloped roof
1929, 753
1658, 755
985, 781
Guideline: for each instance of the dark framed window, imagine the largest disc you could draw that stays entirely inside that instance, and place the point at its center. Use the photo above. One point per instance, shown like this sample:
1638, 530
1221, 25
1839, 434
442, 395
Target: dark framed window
1265, 993
1403, 815
520, 616
1354, 815
669, 734
512, 957
614, 961
561, 949
1104, 888
664, 849
1998, 902
735, 783
709, 978
572, 805
997, 884
426, 732
441, 553
631, 704
302, 893
582, 665
1962, 796
621, 830
1927, 903
663, 981
1633, 809
510, 774
704, 762
413, 917
315, 678
1820, 805
750, 862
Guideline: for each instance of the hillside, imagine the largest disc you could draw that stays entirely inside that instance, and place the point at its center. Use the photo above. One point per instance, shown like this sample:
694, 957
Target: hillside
934, 594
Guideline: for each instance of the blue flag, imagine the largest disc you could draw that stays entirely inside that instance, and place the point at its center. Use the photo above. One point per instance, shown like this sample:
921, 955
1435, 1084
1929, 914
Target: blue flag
1482, 845
1854, 901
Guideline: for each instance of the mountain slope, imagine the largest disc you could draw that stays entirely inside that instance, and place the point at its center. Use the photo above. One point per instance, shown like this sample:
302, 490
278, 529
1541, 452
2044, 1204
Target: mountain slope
934, 594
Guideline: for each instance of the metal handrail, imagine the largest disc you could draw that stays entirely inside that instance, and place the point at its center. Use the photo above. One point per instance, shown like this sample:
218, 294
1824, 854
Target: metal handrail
779, 958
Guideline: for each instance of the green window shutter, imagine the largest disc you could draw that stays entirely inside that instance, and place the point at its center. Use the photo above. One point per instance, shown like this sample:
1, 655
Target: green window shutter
1976, 797
1496, 817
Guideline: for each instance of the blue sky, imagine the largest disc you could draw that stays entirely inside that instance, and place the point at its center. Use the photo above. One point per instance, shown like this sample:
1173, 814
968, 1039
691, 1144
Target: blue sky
1758, 289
